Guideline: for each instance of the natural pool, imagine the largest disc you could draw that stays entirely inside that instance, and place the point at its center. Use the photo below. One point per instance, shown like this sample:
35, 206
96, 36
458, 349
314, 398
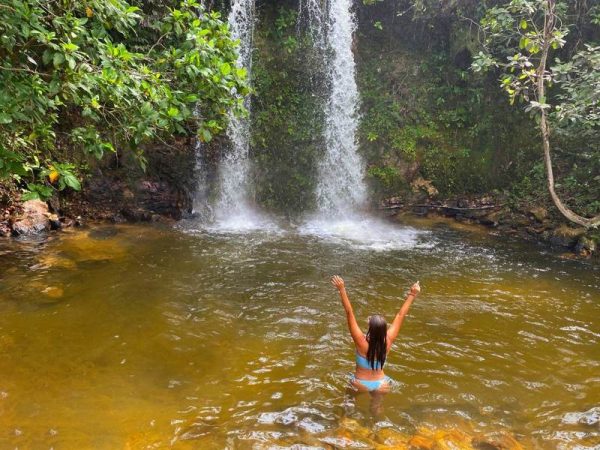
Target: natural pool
141, 337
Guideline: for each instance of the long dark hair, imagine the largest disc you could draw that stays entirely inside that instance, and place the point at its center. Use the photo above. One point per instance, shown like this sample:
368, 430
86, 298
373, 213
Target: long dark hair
377, 338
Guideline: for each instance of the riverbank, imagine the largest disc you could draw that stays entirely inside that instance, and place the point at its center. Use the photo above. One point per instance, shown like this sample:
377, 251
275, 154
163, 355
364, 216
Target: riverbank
538, 223
112, 200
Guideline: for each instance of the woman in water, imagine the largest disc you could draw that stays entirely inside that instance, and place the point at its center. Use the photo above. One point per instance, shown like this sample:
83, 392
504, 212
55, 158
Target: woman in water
372, 348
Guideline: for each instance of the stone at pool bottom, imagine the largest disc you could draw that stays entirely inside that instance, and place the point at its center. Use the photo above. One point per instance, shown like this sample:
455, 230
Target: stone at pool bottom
351, 434
79, 246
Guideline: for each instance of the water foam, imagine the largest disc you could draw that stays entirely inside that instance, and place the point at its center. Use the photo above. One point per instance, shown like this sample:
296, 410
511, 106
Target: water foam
234, 210
364, 232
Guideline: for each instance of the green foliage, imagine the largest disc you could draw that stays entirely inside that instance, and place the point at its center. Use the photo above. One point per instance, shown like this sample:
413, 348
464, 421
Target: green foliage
387, 181
517, 35
427, 117
101, 77
514, 32
36, 191
12, 164
286, 116
578, 102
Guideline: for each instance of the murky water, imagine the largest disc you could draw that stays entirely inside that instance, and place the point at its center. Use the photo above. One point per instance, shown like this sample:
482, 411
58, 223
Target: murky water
138, 337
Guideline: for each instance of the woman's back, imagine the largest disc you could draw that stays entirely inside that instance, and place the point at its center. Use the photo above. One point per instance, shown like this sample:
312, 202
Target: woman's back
372, 349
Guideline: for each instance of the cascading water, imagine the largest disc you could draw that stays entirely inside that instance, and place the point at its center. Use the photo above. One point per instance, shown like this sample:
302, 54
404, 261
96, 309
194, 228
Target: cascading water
233, 210
311, 14
341, 186
341, 190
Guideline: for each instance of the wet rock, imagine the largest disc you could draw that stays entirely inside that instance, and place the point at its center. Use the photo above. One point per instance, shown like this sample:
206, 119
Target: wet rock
535, 230
422, 185
538, 213
33, 220
351, 434
136, 215
354, 427
127, 194
463, 203
421, 442
585, 246
67, 222
55, 223
118, 218
568, 256
451, 439
496, 441
392, 438
5, 230
520, 221
565, 236
490, 219
54, 203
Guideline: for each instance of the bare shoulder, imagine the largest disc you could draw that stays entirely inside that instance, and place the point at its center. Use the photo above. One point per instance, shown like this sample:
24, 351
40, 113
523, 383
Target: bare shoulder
363, 345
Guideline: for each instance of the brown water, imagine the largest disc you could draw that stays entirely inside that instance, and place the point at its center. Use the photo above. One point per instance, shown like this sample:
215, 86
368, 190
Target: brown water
139, 337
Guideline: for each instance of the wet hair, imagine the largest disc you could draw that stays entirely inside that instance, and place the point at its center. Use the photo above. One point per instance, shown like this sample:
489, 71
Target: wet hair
377, 338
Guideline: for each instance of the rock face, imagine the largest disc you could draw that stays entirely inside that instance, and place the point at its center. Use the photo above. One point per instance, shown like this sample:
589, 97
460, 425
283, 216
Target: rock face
34, 220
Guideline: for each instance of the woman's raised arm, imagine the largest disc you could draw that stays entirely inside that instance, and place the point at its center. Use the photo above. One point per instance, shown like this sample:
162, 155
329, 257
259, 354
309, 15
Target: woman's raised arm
397, 323
355, 331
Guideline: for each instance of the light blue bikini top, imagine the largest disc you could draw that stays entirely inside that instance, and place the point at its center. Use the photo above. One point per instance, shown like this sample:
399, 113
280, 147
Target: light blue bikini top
363, 362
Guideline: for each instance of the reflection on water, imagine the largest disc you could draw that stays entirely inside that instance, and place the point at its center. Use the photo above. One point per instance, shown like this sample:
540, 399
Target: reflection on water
138, 337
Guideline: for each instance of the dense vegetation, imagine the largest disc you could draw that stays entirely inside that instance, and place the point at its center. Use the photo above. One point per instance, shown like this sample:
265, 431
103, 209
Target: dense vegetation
83, 79
431, 120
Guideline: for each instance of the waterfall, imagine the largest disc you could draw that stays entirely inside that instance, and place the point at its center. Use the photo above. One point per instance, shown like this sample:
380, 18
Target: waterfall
341, 189
234, 209
235, 167
311, 14
341, 186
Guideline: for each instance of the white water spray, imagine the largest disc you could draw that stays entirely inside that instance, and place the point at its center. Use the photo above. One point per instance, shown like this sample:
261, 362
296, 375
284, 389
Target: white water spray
311, 13
341, 190
234, 210
341, 186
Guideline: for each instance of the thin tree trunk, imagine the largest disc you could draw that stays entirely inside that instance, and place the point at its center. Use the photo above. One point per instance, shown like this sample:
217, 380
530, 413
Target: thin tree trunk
549, 21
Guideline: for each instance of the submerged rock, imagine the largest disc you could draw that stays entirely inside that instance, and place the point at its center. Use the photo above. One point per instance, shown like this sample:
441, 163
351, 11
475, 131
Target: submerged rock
54, 292
390, 438
454, 439
50, 261
81, 246
496, 441
33, 220
6, 342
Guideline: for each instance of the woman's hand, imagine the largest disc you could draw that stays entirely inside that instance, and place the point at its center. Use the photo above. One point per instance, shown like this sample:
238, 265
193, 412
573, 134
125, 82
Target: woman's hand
337, 281
415, 289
